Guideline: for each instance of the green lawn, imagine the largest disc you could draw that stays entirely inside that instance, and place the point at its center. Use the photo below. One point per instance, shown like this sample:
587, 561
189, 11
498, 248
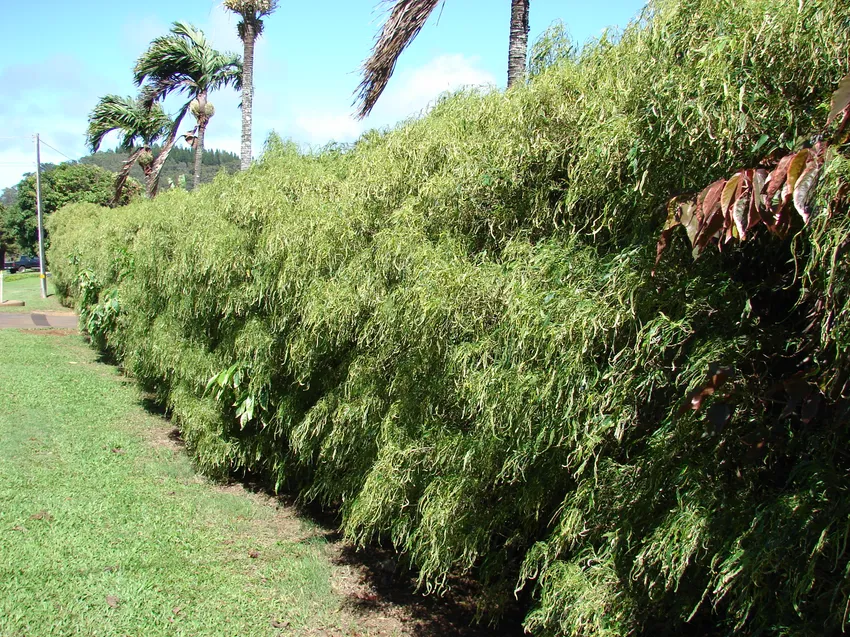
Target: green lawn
105, 529
26, 287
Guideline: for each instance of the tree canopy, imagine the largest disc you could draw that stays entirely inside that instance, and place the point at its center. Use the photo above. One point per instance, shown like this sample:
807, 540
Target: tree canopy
60, 185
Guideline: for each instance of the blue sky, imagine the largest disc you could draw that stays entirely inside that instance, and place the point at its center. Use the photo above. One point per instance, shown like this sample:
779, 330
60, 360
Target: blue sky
58, 57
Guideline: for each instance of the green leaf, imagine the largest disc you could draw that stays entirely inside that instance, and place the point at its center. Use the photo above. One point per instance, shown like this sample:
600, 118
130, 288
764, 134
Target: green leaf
760, 143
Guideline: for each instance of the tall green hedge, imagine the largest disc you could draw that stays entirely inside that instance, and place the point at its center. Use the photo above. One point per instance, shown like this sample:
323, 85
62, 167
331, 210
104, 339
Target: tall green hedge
451, 333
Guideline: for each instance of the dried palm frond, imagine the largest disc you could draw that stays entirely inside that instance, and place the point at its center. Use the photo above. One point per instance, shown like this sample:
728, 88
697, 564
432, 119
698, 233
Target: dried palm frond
404, 24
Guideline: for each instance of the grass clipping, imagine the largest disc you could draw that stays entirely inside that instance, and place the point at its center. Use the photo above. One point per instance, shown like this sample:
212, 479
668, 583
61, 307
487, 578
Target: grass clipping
450, 332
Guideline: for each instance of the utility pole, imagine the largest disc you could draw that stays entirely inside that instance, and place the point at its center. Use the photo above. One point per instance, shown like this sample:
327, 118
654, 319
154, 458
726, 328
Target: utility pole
42, 275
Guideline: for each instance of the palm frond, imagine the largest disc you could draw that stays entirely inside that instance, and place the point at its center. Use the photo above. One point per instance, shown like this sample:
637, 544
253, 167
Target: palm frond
183, 61
190, 32
403, 25
167, 56
225, 70
129, 116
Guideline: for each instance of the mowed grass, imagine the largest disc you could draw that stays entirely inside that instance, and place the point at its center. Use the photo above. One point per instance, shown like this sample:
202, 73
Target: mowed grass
105, 529
26, 287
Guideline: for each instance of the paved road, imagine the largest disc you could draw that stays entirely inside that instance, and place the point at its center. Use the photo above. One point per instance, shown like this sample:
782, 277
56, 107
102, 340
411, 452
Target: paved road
32, 320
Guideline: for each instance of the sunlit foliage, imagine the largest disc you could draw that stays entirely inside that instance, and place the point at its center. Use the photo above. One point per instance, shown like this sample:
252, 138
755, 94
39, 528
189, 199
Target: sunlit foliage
451, 332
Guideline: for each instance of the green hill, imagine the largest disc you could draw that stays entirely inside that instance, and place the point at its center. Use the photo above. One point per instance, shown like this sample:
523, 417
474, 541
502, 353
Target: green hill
180, 162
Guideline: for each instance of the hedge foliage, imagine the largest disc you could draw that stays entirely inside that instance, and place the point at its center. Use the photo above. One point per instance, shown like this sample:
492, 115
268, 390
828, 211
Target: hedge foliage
450, 332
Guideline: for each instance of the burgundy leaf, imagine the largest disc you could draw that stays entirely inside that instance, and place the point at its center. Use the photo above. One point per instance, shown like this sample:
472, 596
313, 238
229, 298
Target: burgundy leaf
711, 220
776, 179
796, 168
717, 377
728, 194
804, 189
712, 197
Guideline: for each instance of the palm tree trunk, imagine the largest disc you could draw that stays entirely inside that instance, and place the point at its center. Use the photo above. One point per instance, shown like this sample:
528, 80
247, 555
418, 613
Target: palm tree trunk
249, 37
159, 162
121, 178
199, 150
149, 180
518, 49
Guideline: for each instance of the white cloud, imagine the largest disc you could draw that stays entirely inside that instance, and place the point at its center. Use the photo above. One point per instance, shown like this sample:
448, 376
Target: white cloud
318, 129
416, 89
51, 98
409, 93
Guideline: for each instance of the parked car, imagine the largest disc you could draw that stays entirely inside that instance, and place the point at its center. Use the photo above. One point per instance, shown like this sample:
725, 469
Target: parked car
23, 263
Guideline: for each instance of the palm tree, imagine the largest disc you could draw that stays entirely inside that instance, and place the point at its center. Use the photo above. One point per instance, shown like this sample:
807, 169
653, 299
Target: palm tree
141, 128
250, 27
184, 62
403, 25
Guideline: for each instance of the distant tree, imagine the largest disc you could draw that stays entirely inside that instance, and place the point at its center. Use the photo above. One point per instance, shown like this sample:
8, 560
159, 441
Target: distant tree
9, 196
140, 128
250, 27
184, 62
180, 162
64, 184
401, 28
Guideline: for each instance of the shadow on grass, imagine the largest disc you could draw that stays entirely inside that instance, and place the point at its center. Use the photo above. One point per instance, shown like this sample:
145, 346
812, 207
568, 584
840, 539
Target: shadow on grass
386, 587
394, 586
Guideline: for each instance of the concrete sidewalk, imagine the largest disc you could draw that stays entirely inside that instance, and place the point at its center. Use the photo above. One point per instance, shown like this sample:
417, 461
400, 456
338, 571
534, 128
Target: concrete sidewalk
30, 320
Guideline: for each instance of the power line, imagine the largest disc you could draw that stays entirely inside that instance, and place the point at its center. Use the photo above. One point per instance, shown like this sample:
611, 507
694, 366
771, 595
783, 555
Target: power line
57, 150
